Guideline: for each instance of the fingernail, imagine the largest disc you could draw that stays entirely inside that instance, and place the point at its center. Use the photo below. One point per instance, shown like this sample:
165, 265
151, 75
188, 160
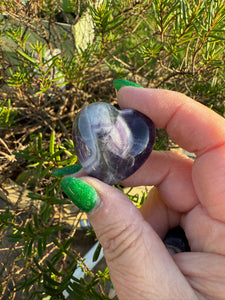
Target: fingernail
81, 193
60, 172
118, 83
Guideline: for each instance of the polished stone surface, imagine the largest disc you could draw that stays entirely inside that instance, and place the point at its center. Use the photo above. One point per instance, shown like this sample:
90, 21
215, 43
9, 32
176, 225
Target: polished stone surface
112, 144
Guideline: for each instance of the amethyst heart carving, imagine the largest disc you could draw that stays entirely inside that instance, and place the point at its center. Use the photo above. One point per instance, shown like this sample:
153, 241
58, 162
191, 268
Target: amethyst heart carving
112, 144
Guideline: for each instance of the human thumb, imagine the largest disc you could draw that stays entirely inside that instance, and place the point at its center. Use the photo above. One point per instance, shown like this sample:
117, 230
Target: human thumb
140, 267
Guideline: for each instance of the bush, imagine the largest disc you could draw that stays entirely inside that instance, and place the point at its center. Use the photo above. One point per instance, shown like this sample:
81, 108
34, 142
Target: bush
57, 56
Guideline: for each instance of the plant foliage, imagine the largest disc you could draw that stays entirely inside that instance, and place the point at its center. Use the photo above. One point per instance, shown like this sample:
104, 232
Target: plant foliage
56, 56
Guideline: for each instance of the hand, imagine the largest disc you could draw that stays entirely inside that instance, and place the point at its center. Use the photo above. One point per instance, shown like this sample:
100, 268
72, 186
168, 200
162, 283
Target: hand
189, 193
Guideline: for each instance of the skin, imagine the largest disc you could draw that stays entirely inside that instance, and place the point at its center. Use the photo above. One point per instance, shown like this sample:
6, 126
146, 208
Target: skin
187, 193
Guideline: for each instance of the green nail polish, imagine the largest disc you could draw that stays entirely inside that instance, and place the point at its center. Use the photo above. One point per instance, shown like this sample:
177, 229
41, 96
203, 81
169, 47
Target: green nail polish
118, 83
60, 172
82, 194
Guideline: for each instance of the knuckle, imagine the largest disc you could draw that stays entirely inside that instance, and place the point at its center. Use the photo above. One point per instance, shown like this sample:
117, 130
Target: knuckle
117, 241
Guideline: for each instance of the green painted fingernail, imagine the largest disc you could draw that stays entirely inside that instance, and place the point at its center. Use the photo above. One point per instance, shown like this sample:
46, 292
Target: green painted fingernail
118, 83
60, 172
81, 193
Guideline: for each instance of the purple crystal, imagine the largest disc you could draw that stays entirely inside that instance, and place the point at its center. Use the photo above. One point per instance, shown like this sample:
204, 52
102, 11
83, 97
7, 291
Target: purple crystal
112, 144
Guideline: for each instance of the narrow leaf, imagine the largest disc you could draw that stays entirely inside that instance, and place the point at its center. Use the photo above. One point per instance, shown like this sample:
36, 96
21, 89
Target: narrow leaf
51, 144
97, 252
27, 57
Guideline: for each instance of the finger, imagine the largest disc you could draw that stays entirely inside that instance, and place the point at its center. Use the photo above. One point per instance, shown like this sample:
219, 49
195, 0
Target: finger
205, 272
207, 238
162, 169
158, 215
131, 247
172, 174
209, 181
195, 128
163, 210
186, 121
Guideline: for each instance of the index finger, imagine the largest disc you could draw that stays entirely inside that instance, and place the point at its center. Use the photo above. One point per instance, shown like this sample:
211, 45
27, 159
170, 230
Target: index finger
190, 124
195, 128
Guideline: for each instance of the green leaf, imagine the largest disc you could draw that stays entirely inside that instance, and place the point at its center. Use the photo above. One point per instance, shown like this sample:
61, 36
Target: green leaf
27, 57
38, 265
52, 269
15, 237
68, 242
29, 229
53, 229
49, 280
40, 142
56, 257
38, 170
40, 248
97, 252
52, 143
36, 221
29, 247
46, 210
67, 7
57, 153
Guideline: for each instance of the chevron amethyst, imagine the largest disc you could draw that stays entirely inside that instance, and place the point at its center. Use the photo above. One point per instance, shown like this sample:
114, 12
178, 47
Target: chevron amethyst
112, 144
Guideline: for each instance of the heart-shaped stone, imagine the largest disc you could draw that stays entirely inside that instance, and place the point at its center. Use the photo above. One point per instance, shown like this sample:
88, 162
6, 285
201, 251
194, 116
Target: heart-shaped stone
112, 144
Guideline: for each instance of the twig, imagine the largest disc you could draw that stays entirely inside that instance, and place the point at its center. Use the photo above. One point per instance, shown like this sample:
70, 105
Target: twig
4, 144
